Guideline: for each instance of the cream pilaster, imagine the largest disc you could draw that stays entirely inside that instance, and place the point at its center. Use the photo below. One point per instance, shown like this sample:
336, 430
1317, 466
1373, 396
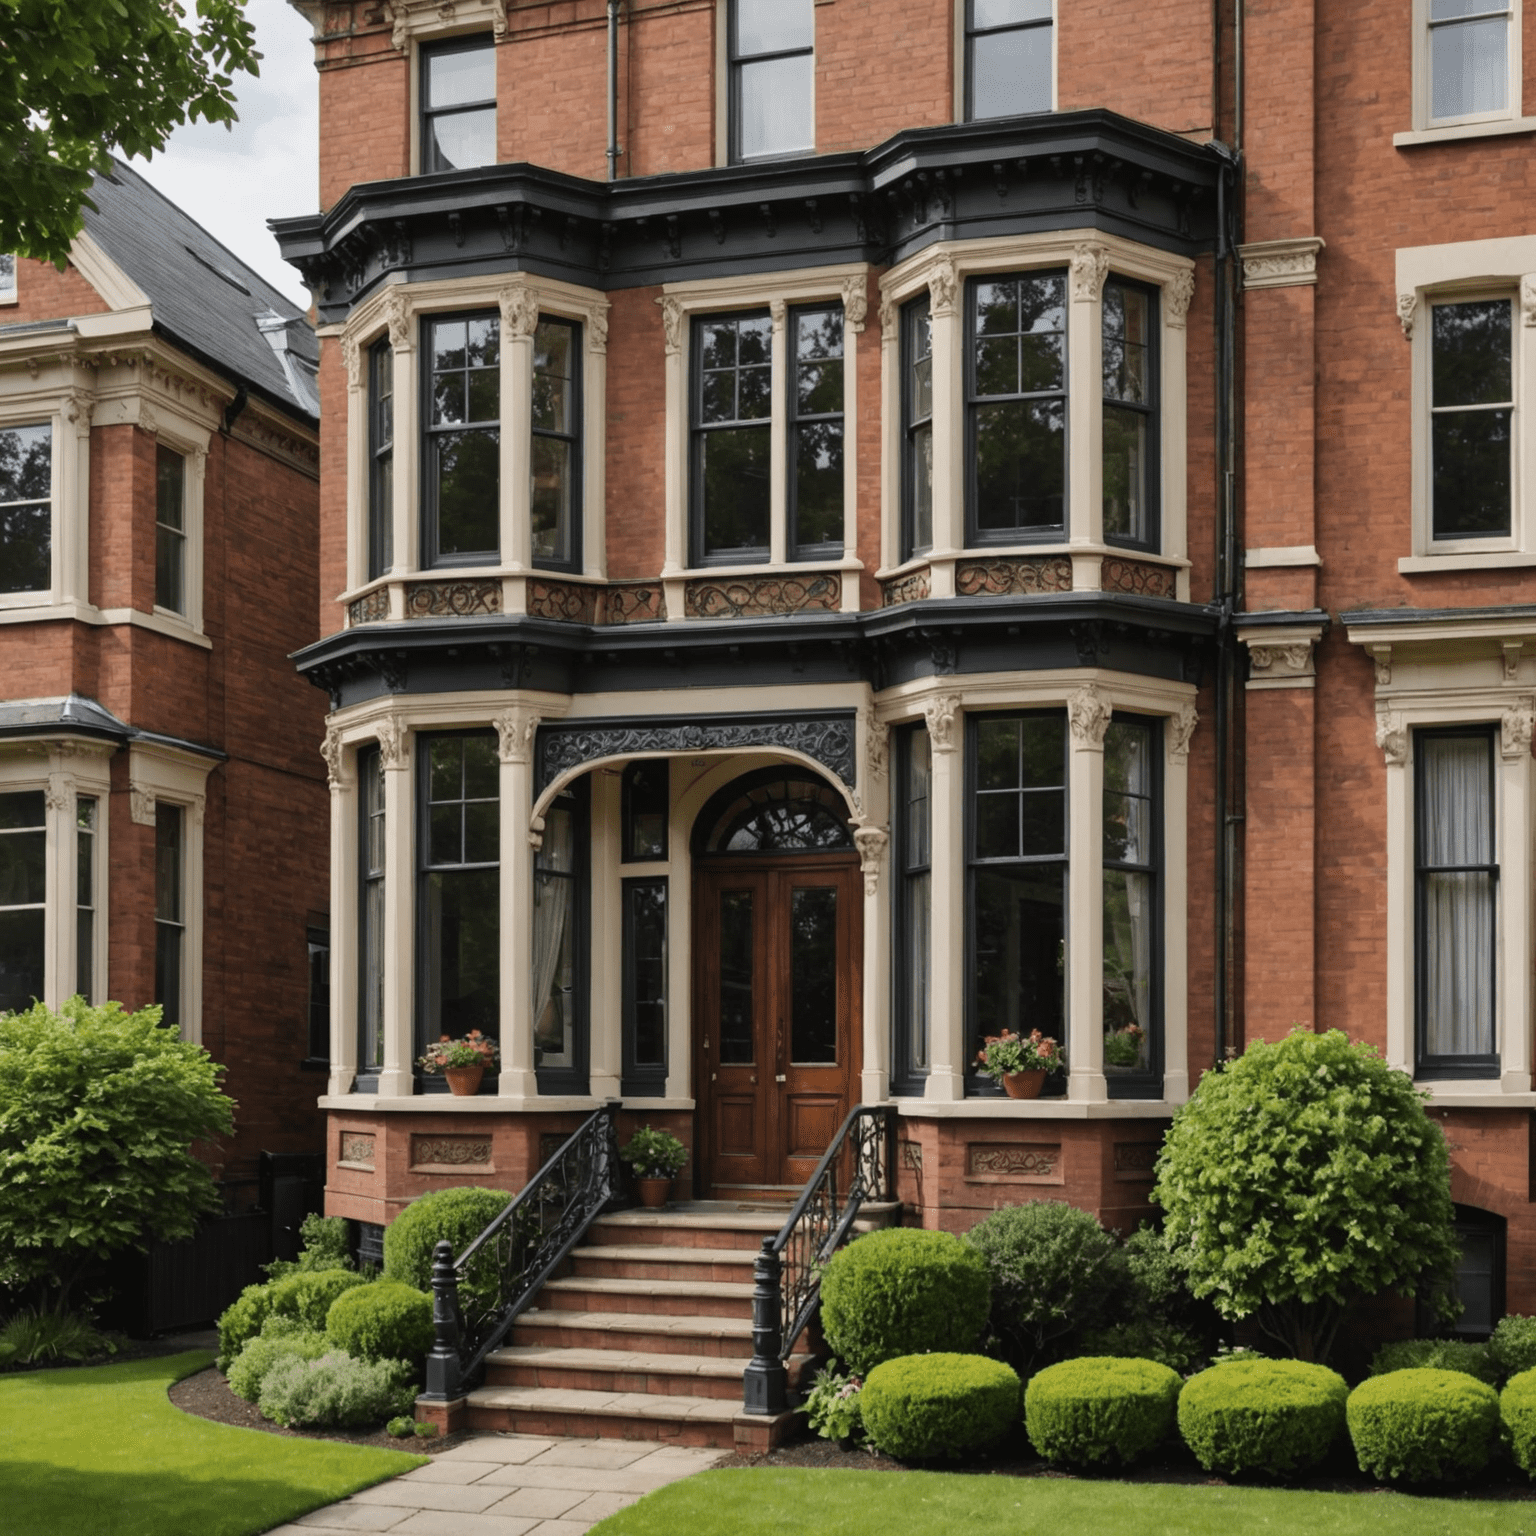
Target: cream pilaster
945, 312
407, 442
1088, 714
873, 840
1513, 825
341, 773
395, 757
519, 320
946, 998
607, 929
1178, 730
594, 463
516, 730
1085, 371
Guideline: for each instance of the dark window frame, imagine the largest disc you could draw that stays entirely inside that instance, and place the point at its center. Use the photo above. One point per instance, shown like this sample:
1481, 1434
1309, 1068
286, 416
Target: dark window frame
425, 142
369, 759
1056, 533
1147, 1084
176, 602
911, 425
973, 32
733, 68
794, 549
643, 767
431, 558
172, 928
1153, 414
33, 504
1479, 1066
318, 941
907, 1078
86, 848
381, 453
646, 1080
576, 1079
35, 829
574, 438
1489, 537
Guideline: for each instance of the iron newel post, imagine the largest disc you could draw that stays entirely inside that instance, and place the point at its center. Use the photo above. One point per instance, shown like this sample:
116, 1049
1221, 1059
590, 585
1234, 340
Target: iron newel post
765, 1381
443, 1383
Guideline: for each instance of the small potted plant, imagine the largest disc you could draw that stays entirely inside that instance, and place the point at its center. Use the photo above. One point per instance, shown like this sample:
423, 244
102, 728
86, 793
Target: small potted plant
1020, 1062
656, 1158
463, 1062
1122, 1047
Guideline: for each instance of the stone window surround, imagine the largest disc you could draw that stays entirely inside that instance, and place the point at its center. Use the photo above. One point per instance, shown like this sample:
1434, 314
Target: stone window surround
158, 771
1089, 694
1090, 257
1448, 672
682, 304
960, 58
1429, 130
66, 768
397, 310
1473, 269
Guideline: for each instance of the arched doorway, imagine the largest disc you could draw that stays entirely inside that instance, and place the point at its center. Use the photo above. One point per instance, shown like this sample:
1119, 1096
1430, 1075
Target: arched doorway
778, 946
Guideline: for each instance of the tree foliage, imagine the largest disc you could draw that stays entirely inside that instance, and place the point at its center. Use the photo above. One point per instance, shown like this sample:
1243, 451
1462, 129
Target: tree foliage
98, 1111
80, 76
1305, 1175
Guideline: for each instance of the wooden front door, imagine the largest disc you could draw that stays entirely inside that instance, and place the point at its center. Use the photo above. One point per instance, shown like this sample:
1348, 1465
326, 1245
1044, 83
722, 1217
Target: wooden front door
778, 961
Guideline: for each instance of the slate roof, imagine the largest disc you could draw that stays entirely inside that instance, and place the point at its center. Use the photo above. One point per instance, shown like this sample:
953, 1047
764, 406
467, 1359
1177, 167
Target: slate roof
203, 295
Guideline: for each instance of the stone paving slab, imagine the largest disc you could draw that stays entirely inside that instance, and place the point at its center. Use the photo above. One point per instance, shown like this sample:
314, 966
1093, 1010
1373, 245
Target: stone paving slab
510, 1485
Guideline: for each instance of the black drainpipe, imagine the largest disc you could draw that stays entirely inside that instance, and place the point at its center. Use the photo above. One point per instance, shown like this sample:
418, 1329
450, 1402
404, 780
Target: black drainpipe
613, 90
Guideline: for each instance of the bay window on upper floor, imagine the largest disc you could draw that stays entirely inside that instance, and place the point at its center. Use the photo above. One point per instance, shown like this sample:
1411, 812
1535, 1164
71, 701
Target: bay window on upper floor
461, 502
557, 408
381, 458
26, 507
170, 530
771, 71
458, 104
1009, 57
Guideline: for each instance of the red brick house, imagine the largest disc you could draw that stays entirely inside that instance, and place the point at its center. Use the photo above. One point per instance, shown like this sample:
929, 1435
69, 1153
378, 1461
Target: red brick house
162, 820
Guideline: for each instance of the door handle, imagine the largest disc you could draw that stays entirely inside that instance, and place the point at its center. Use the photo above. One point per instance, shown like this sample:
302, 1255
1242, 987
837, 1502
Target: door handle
782, 1077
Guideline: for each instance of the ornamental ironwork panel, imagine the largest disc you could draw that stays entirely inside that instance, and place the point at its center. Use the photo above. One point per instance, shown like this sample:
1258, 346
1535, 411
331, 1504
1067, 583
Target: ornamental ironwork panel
632, 603
1139, 577
452, 599
914, 587
825, 737
371, 608
573, 601
1038, 1163
1012, 575
762, 596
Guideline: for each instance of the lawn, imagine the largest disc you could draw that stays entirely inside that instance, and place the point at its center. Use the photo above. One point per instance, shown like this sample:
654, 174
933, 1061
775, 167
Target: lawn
835, 1503
103, 1451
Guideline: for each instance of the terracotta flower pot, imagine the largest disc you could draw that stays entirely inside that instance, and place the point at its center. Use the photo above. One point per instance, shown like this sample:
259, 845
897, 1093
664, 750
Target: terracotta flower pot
464, 1080
1025, 1085
654, 1192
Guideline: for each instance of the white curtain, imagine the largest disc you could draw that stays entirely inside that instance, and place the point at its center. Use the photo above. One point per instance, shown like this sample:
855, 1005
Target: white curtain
1456, 829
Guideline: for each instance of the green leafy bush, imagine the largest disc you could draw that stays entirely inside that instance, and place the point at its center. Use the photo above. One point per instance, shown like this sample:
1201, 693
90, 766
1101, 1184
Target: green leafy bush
1513, 1345
7, 1354
1274, 1416
384, 1321
37, 1337
1146, 1339
402, 1428
1437, 1355
250, 1367
654, 1154
309, 1297
832, 1409
902, 1292
920, 1406
1096, 1410
327, 1244
1423, 1426
458, 1216
1517, 1410
334, 1391
1054, 1271
1302, 1177
242, 1320
98, 1112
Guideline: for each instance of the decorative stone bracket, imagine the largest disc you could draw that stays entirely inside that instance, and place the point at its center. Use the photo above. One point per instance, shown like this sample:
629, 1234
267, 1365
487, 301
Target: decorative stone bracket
1280, 263
1281, 656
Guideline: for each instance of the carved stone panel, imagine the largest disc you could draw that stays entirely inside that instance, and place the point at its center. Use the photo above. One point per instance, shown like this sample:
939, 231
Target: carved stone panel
1139, 577
1008, 575
452, 599
632, 603
356, 1150
757, 596
369, 609
1135, 1161
911, 1155
1013, 1162
826, 738
450, 1152
914, 587
573, 601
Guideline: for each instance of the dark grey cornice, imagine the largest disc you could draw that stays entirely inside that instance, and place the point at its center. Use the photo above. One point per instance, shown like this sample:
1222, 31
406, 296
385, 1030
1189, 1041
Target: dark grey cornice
1063, 170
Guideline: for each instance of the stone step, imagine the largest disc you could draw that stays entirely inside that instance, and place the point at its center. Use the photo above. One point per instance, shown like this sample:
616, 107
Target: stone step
670, 1334
634, 1261
699, 1224
613, 1415
659, 1298
627, 1371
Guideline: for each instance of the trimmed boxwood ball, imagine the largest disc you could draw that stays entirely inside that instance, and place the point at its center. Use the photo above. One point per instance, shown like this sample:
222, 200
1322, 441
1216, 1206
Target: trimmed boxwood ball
1273, 1416
309, 1297
1517, 1409
384, 1321
903, 1292
921, 1406
1097, 1409
458, 1216
1437, 1355
1513, 1345
1420, 1426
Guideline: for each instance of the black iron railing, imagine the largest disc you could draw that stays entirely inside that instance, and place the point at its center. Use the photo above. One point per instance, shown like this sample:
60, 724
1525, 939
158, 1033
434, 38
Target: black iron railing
857, 1167
478, 1296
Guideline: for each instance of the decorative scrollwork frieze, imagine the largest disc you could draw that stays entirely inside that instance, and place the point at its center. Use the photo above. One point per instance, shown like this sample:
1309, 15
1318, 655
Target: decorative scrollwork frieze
450, 1151
638, 602
452, 599
914, 587
370, 608
573, 601
1139, 577
357, 1149
1036, 1163
760, 596
1009, 575
1280, 263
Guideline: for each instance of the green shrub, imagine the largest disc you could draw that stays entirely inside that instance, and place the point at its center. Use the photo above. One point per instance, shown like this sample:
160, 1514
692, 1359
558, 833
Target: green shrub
242, 1320
7, 1354
333, 1391
832, 1409
425, 1430
1054, 1270
1437, 1355
38, 1336
1273, 1416
309, 1297
402, 1428
327, 1244
1517, 1410
1088, 1411
384, 1321
458, 1216
1146, 1339
250, 1367
1423, 1426
939, 1405
1513, 1345
902, 1292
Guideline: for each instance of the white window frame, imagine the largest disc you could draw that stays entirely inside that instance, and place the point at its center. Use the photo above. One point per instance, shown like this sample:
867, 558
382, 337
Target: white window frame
1474, 269
54, 401
961, 71
10, 276
183, 436
1428, 129
1090, 258
397, 311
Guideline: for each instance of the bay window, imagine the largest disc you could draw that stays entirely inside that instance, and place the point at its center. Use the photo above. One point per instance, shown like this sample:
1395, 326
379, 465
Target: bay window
461, 449
912, 823
556, 496
816, 433
23, 898
1130, 415
732, 438
26, 508
381, 458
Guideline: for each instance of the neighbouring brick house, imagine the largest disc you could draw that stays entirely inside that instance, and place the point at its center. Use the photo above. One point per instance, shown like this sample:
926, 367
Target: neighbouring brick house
162, 817
956, 516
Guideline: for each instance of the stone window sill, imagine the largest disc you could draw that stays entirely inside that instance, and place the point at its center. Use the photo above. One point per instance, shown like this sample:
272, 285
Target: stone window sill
1502, 128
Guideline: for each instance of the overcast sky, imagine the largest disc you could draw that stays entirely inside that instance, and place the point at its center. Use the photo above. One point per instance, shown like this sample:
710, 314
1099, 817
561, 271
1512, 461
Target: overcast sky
232, 182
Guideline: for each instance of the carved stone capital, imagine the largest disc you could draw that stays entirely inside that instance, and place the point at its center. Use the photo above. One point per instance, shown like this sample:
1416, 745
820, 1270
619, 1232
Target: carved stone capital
1515, 728
60, 794
1181, 729
1392, 737
515, 732
871, 843
943, 288
1528, 299
1088, 713
397, 314
778, 312
1280, 263
392, 745
1178, 292
1382, 656
1407, 312
942, 714
330, 750
519, 310
890, 319
1090, 266
672, 324
878, 738
855, 304
1281, 656
352, 356
141, 805
597, 331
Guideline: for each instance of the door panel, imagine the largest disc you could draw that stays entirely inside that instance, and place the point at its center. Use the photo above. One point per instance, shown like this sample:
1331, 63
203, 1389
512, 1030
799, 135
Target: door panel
777, 967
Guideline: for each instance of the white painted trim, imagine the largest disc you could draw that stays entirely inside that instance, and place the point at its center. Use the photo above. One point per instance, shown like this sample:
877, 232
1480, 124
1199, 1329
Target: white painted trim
104, 275
1281, 556
1493, 130
1423, 121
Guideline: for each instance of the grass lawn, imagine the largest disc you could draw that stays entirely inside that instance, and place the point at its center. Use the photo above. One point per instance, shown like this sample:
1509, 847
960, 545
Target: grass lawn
768, 1501
102, 1451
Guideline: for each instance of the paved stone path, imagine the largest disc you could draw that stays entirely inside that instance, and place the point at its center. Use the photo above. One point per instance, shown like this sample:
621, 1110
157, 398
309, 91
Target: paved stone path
510, 1485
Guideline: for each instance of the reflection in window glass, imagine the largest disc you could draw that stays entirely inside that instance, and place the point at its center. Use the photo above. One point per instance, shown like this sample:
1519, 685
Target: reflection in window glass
23, 894
170, 911
1008, 57
1471, 418
556, 999
458, 95
914, 831
381, 449
1130, 894
170, 530
26, 488
816, 433
736, 979
1130, 424
773, 65
370, 774
556, 441
85, 897
917, 411
1468, 58
463, 439
782, 814
645, 986
732, 437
